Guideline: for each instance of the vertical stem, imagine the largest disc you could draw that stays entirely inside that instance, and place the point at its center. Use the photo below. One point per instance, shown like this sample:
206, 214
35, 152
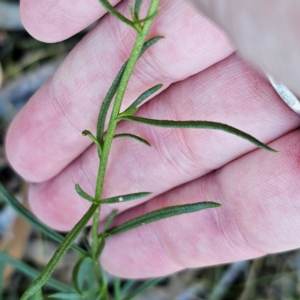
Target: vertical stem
140, 40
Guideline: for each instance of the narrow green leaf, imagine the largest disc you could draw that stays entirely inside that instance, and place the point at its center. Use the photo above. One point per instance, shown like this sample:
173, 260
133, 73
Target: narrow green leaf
137, 7
128, 112
106, 103
139, 22
160, 214
150, 43
100, 247
124, 198
113, 89
75, 274
102, 236
117, 288
92, 137
110, 219
134, 17
137, 138
27, 215
115, 13
83, 194
201, 125
74, 296
128, 286
104, 276
143, 287
62, 249
32, 273
145, 95
37, 296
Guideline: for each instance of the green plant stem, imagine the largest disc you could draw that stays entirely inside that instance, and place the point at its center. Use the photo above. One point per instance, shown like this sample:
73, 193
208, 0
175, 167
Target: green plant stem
61, 250
140, 40
27, 215
30, 272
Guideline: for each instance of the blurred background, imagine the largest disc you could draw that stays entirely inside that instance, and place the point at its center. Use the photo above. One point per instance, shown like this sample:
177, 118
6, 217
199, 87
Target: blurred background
24, 66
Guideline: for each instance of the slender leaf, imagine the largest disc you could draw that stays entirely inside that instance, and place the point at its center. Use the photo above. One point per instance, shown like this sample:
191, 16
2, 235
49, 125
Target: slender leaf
113, 89
87, 278
115, 13
100, 247
135, 19
62, 249
102, 236
124, 198
83, 194
150, 43
104, 276
139, 22
145, 95
93, 138
32, 273
143, 287
117, 288
137, 7
74, 296
127, 287
27, 215
137, 138
110, 219
76, 272
128, 112
106, 103
160, 214
200, 125
37, 296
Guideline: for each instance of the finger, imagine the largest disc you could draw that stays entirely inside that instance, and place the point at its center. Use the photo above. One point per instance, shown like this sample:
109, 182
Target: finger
46, 135
57, 20
259, 215
228, 92
265, 32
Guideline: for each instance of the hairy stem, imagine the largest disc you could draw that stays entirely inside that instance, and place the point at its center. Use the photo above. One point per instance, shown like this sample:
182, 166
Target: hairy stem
140, 40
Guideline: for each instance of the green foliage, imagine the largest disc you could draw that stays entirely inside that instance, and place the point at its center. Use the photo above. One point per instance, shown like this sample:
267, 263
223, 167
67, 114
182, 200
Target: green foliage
103, 142
145, 95
199, 125
75, 296
160, 214
113, 89
125, 198
31, 273
83, 194
62, 249
146, 285
137, 7
93, 138
27, 215
135, 137
76, 272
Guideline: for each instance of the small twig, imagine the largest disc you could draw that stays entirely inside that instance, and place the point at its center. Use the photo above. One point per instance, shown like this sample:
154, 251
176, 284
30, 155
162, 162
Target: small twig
10, 17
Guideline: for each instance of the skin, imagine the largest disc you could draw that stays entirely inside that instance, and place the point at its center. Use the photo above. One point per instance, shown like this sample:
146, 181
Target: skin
203, 79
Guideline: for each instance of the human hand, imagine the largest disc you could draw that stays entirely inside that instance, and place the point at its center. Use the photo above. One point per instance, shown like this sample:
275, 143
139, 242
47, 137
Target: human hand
266, 32
258, 189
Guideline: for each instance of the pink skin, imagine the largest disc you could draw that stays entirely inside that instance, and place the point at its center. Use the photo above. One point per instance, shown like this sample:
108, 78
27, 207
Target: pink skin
259, 190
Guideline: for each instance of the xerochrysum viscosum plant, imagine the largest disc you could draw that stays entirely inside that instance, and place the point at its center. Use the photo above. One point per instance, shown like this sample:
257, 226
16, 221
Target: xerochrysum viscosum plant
103, 142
